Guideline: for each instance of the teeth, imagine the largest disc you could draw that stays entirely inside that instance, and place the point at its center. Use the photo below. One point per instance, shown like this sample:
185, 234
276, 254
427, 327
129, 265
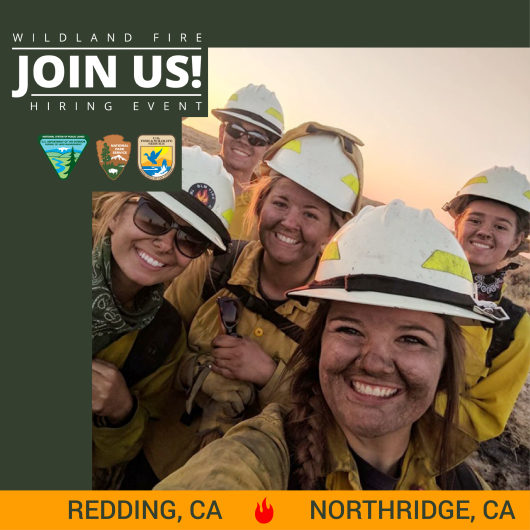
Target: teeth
480, 245
240, 152
377, 391
150, 260
286, 239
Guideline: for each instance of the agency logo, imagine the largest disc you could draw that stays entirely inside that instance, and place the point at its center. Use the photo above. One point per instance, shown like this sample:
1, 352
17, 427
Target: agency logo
113, 154
265, 514
156, 155
203, 193
63, 151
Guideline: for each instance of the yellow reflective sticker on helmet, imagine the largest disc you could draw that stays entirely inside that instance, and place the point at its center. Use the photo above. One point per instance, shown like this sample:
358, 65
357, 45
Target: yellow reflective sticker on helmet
233, 97
273, 112
476, 180
331, 251
352, 182
228, 215
293, 145
527, 194
447, 262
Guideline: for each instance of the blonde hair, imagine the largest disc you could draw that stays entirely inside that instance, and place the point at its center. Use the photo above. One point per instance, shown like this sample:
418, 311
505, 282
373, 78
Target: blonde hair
261, 189
107, 208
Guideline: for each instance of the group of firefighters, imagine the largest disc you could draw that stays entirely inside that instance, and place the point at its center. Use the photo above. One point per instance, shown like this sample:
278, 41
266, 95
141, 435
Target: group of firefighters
259, 329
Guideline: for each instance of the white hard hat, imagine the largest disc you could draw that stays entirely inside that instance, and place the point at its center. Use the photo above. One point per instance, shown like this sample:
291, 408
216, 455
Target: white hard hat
503, 184
318, 163
397, 256
257, 105
207, 199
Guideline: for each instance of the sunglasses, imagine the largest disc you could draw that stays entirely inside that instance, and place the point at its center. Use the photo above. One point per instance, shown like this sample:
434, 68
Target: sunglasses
230, 313
155, 220
255, 138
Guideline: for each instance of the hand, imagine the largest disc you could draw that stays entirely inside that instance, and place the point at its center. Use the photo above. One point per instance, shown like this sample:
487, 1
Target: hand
241, 359
110, 396
230, 397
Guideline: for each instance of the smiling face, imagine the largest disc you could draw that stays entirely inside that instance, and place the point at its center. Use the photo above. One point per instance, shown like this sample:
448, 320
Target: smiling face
141, 259
487, 230
379, 368
293, 223
237, 154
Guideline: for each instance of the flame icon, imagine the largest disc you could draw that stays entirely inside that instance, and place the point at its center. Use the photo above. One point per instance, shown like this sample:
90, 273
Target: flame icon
202, 196
266, 514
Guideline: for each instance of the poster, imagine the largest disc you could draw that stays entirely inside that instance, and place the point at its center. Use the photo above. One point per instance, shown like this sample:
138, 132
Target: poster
46, 439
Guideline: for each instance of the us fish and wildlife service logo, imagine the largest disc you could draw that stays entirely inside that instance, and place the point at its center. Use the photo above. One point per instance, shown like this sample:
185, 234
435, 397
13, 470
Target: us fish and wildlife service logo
203, 193
63, 151
113, 154
156, 155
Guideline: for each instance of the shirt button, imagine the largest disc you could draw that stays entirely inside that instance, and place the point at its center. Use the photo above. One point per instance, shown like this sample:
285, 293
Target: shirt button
258, 332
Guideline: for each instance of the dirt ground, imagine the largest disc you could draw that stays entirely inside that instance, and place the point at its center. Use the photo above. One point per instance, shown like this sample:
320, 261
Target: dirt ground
504, 462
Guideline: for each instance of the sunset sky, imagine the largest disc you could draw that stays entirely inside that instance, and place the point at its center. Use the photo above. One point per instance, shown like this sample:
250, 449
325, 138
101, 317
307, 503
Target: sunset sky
430, 118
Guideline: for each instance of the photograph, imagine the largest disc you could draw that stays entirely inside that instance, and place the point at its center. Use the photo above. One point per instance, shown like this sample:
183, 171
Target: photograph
343, 303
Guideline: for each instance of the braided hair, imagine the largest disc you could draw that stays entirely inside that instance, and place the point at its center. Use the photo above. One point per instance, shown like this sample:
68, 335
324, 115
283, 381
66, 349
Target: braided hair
308, 421
310, 416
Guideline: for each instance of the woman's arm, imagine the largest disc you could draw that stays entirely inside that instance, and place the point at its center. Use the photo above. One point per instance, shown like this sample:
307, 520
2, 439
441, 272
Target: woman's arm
252, 456
112, 445
486, 406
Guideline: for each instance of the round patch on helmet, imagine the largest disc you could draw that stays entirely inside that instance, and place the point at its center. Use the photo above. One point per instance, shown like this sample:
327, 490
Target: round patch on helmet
203, 193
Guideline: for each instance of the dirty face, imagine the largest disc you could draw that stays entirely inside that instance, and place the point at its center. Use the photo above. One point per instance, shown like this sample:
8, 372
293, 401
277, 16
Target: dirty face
294, 223
380, 368
487, 230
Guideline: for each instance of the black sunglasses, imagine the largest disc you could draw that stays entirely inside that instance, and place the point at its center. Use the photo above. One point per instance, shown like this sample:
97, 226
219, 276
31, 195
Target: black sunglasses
155, 220
255, 138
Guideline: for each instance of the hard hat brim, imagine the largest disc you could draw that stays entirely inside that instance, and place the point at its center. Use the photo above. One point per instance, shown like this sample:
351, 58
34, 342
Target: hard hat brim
221, 115
187, 215
462, 316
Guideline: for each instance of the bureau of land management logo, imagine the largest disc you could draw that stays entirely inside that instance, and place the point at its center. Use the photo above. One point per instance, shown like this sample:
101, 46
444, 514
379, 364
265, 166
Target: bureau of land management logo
156, 155
113, 154
63, 151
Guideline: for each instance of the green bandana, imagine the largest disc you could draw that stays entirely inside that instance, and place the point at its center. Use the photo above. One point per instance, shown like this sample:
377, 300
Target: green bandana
110, 320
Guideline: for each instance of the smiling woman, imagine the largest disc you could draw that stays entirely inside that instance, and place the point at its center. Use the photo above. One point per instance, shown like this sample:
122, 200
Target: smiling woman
141, 241
381, 346
492, 223
310, 186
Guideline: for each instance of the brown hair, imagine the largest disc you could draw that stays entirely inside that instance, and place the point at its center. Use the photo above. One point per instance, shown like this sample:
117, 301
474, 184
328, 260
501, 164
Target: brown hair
260, 190
522, 223
310, 416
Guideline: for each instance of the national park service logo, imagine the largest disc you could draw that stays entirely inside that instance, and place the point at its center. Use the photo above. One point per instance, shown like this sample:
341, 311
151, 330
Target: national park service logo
113, 154
63, 151
156, 155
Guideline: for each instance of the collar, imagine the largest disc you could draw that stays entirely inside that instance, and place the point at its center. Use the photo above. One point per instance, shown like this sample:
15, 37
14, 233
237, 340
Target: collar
418, 462
246, 274
491, 286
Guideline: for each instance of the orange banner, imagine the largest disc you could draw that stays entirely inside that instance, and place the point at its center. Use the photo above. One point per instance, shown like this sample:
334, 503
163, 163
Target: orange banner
69, 510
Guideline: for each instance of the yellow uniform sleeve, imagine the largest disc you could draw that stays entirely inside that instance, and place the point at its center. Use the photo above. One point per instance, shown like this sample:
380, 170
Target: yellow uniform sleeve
115, 445
487, 404
253, 455
185, 291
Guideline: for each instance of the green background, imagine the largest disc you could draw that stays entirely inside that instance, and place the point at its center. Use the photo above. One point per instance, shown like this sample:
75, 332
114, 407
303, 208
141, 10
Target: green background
45, 374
